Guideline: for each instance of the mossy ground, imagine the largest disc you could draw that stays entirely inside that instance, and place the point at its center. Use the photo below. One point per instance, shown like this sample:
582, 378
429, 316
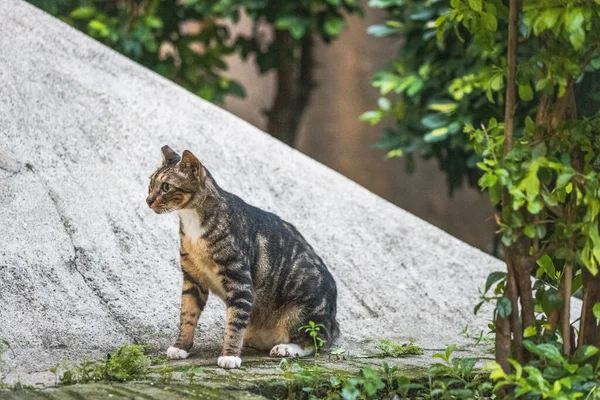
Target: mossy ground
259, 378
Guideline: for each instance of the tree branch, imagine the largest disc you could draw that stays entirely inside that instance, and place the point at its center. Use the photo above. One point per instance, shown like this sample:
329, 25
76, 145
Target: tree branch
511, 78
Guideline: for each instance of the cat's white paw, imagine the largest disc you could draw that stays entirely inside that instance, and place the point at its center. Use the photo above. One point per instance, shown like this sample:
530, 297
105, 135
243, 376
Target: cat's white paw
229, 362
177, 354
289, 350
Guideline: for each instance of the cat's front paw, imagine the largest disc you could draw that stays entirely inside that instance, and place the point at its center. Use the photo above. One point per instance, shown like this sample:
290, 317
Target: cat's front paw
229, 362
174, 353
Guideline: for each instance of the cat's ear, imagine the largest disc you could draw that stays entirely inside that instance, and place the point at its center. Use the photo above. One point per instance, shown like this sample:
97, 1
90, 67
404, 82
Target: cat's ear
191, 163
169, 156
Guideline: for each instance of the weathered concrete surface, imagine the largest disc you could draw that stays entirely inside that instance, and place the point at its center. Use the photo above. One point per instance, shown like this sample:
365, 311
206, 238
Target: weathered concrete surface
85, 266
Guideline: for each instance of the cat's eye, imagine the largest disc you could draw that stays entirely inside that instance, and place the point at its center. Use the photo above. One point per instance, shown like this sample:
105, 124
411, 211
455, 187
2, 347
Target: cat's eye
165, 187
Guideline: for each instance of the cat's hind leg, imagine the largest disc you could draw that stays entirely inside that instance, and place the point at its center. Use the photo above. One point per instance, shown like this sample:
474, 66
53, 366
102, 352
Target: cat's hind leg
289, 340
291, 350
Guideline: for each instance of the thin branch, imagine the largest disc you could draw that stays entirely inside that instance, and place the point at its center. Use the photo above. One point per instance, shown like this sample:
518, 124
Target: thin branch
544, 250
511, 77
487, 137
589, 55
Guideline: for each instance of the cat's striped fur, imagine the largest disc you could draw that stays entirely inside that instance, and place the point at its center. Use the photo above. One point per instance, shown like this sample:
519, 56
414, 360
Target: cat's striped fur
270, 278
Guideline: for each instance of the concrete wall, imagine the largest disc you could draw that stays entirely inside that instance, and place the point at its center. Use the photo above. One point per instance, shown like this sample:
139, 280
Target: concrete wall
85, 266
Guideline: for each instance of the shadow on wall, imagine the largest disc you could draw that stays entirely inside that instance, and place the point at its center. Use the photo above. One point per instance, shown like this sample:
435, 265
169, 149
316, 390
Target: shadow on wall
332, 134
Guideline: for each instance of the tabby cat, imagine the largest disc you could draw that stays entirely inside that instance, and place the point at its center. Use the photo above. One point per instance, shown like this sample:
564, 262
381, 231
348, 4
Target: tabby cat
270, 278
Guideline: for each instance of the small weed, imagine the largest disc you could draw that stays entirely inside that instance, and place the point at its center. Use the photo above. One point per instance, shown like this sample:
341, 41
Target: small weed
166, 374
478, 338
389, 349
452, 378
192, 373
313, 330
339, 354
456, 377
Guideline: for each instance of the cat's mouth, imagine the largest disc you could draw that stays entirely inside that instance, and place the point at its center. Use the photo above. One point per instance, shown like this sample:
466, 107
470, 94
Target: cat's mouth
161, 210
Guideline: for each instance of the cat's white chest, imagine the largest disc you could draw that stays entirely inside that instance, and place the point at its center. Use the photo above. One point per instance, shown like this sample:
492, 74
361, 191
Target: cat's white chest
190, 223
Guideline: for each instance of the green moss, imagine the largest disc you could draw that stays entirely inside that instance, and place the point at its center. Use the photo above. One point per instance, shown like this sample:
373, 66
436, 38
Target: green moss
390, 349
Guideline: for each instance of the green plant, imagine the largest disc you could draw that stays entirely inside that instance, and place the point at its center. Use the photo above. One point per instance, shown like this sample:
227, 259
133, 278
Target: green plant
366, 385
126, 363
456, 377
187, 42
390, 349
553, 376
313, 331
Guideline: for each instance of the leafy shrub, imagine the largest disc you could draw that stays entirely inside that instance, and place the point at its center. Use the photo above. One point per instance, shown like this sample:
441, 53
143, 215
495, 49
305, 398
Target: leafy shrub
540, 167
552, 376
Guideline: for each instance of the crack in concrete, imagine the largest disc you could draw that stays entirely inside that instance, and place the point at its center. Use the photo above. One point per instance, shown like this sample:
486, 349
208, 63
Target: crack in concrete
79, 254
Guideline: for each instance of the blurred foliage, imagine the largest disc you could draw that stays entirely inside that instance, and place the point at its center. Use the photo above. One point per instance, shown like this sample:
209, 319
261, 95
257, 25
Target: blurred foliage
432, 89
443, 79
187, 40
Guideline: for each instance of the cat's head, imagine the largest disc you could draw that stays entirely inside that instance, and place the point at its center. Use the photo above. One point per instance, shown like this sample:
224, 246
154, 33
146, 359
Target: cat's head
175, 184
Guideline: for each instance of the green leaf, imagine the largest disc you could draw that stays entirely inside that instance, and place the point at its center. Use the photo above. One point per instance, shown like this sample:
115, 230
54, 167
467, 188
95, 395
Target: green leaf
297, 31
504, 307
384, 104
583, 353
534, 207
373, 117
476, 5
525, 92
236, 89
564, 179
539, 151
286, 22
99, 28
422, 14
529, 231
546, 350
492, 278
596, 311
83, 13
489, 21
529, 331
574, 19
154, 22
547, 265
444, 106
333, 25
549, 351
433, 121
436, 135
577, 38
381, 30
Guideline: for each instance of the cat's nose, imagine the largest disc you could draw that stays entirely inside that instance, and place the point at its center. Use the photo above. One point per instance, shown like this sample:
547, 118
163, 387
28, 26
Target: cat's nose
149, 200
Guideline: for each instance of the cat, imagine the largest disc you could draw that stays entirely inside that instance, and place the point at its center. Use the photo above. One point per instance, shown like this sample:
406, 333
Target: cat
270, 278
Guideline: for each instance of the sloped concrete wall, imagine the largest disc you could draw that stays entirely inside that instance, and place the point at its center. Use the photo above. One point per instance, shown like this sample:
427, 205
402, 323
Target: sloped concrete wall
85, 266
